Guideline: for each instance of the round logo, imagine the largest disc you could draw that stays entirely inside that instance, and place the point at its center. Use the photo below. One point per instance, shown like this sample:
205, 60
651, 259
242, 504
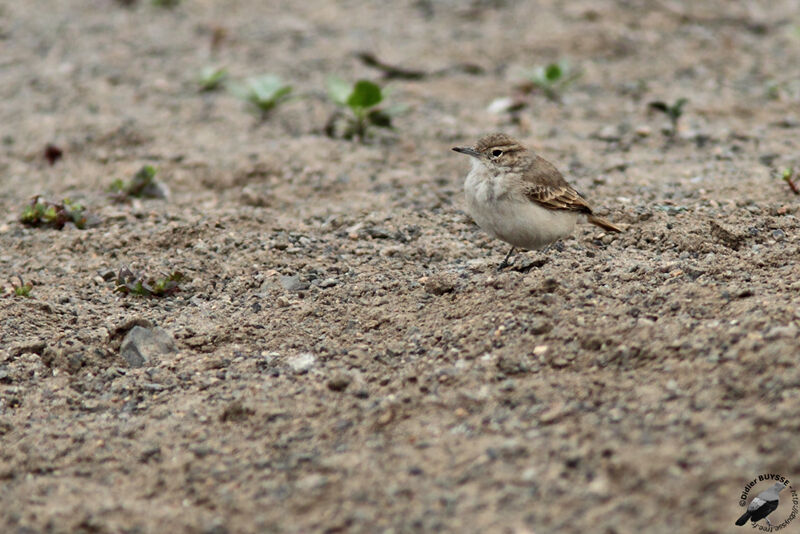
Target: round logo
769, 503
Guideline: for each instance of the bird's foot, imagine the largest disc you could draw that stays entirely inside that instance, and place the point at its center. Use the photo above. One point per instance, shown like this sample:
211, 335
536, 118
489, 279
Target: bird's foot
504, 265
505, 262
558, 245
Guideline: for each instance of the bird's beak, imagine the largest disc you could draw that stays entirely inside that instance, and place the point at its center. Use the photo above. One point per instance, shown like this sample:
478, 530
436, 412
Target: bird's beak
469, 151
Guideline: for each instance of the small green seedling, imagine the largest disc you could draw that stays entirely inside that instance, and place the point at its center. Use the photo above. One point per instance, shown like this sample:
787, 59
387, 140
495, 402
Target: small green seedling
147, 286
212, 78
553, 79
787, 176
142, 185
22, 289
44, 213
263, 93
362, 99
166, 3
674, 112
773, 90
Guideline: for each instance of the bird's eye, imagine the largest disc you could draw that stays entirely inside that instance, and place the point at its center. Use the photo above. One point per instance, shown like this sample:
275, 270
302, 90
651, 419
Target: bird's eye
497, 152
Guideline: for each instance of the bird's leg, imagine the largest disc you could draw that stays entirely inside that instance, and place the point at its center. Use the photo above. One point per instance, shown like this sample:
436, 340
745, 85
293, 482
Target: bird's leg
768, 523
558, 245
505, 261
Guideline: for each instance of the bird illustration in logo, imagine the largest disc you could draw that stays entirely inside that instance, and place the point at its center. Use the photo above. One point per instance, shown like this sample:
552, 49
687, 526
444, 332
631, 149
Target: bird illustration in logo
762, 505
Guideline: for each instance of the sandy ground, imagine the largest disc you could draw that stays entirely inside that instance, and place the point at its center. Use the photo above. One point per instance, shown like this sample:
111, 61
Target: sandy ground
347, 358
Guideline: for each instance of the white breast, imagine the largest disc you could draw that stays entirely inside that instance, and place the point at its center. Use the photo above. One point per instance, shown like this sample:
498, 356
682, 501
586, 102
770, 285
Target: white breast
510, 217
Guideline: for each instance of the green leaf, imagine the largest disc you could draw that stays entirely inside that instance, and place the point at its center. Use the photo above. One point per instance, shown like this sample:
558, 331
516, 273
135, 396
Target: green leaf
553, 78
282, 92
267, 87
264, 87
264, 92
117, 186
553, 72
78, 219
339, 90
212, 77
50, 214
365, 95
23, 290
29, 215
144, 175
678, 106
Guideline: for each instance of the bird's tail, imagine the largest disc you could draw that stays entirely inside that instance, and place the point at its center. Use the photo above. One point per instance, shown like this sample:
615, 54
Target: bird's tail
742, 520
605, 224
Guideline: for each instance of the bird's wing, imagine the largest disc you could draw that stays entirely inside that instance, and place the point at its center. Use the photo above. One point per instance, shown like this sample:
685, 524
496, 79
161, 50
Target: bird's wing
546, 186
755, 504
764, 510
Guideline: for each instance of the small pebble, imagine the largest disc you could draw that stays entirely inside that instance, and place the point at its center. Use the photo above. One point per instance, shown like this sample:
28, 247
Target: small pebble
301, 363
293, 283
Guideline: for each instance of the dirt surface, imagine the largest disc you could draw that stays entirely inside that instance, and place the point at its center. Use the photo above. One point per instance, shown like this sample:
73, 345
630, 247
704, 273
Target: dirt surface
346, 356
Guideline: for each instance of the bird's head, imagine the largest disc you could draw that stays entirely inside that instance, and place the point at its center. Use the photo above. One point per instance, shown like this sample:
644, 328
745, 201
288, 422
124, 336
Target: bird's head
497, 151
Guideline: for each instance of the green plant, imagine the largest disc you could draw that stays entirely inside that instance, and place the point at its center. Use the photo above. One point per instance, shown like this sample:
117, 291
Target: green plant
773, 90
263, 93
673, 111
22, 289
362, 99
786, 176
142, 185
44, 213
148, 286
553, 79
166, 3
212, 78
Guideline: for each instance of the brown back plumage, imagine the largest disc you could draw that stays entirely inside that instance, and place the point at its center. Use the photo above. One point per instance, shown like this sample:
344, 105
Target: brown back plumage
546, 186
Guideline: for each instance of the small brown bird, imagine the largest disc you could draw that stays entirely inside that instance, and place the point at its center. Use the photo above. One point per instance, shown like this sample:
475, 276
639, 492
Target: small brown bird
519, 197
